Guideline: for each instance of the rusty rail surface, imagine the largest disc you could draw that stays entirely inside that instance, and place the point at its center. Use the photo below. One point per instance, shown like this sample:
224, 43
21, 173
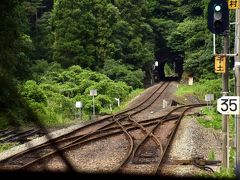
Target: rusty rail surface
98, 133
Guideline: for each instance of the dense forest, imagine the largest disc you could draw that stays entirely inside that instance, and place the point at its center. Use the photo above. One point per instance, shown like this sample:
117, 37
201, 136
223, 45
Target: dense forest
53, 52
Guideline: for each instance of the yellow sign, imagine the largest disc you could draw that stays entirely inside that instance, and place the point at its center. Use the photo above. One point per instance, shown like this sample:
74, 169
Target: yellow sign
220, 64
233, 4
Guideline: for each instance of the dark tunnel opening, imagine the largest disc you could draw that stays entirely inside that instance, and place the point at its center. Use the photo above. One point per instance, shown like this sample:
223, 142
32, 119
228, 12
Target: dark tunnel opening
160, 73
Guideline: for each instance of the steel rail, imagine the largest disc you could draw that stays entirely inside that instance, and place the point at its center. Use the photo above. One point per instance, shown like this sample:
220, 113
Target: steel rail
148, 135
113, 131
89, 140
173, 132
32, 149
127, 157
130, 139
145, 131
51, 142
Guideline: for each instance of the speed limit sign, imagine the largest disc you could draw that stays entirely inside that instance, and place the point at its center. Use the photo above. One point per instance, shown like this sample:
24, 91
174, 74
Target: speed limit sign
228, 105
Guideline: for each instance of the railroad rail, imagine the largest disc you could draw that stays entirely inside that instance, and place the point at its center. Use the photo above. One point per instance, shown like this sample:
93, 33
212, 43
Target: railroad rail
124, 122
15, 135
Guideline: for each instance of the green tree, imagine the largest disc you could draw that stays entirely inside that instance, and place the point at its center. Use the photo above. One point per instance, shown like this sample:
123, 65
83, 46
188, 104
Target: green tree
89, 33
43, 38
82, 30
125, 73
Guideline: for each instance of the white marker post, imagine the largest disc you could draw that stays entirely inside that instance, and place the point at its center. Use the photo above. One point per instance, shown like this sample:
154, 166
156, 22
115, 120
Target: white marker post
118, 100
209, 98
79, 106
93, 93
190, 81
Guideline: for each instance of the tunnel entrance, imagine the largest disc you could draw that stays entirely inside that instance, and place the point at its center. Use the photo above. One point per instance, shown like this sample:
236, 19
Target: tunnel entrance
168, 70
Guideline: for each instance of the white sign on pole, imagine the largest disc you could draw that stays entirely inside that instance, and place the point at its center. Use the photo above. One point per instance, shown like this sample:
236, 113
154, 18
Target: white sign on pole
190, 81
228, 105
78, 104
209, 97
93, 92
156, 63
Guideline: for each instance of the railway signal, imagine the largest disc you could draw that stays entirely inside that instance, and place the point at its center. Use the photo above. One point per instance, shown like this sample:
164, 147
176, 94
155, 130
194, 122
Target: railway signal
218, 16
218, 24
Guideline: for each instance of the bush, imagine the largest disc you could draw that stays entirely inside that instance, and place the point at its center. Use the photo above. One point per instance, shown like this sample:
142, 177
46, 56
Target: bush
126, 73
53, 97
202, 88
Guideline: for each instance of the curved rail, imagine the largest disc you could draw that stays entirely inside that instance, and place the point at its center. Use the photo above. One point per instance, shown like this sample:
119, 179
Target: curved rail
98, 130
84, 141
173, 134
53, 142
149, 134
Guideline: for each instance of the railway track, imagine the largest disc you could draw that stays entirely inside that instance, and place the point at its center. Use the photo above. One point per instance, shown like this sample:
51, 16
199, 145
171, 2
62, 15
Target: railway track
121, 123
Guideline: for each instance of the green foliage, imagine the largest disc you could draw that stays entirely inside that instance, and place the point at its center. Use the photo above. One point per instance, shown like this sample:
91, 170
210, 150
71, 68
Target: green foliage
82, 32
53, 97
181, 34
6, 146
168, 70
118, 38
89, 33
190, 39
211, 155
125, 73
215, 119
202, 88
225, 174
15, 44
43, 38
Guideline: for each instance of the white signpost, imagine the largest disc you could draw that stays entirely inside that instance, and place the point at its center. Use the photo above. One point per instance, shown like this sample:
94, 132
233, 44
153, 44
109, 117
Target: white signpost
228, 105
93, 93
209, 98
190, 81
118, 101
78, 105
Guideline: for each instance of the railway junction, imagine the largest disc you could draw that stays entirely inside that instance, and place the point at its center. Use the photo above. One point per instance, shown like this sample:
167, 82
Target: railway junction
148, 138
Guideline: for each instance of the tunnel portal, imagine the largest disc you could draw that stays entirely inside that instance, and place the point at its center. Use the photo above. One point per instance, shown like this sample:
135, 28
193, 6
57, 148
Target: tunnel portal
160, 74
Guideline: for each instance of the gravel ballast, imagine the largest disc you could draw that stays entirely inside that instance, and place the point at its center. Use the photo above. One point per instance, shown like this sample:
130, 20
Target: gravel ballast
192, 140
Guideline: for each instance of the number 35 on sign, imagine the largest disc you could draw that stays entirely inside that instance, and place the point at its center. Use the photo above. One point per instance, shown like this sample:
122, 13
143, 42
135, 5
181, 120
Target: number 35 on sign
228, 105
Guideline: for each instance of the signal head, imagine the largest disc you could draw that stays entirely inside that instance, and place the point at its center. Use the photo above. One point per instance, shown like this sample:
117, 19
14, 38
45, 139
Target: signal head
218, 16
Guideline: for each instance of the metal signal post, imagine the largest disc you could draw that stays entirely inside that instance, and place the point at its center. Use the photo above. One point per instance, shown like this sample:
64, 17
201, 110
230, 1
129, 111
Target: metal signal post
225, 89
218, 23
237, 74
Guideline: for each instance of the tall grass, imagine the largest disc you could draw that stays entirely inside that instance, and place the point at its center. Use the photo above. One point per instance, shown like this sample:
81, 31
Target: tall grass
201, 88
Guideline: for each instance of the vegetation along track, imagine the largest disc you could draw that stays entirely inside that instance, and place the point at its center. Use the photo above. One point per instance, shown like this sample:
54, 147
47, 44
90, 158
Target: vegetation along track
120, 123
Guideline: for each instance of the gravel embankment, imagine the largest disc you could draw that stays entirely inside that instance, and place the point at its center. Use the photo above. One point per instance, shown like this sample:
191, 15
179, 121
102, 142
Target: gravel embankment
192, 140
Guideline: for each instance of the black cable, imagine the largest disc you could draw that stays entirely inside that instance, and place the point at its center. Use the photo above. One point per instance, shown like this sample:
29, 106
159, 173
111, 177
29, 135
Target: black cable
203, 167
